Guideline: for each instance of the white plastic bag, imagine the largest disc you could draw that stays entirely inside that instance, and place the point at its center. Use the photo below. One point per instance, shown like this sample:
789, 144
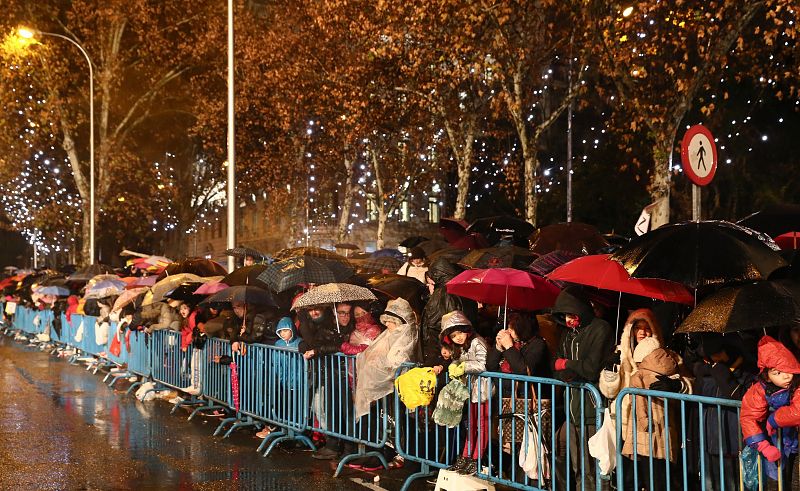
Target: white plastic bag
318, 406
79, 333
101, 333
603, 444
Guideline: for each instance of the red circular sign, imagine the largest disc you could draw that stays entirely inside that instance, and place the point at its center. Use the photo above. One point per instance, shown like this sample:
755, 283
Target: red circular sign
699, 155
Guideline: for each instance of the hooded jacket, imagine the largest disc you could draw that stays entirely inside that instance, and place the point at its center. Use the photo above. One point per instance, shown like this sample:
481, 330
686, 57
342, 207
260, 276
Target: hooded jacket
288, 366
168, 318
612, 382
650, 418
363, 335
259, 327
473, 355
440, 302
585, 347
756, 402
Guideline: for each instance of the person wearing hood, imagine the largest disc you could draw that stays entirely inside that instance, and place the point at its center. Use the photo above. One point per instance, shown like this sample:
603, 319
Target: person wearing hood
364, 334
375, 371
775, 389
640, 325
168, 317
457, 331
586, 343
653, 437
415, 267
440, 302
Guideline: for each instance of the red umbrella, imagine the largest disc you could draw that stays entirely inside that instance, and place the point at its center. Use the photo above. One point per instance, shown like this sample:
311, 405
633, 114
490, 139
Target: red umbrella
788, 241
513, 288
601, 272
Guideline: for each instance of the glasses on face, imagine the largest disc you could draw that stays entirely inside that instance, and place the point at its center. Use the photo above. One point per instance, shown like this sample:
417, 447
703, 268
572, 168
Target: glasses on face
339, 312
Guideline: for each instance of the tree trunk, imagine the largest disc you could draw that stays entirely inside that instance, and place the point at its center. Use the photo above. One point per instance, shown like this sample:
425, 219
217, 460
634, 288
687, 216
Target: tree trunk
379, 201
461, 144
82, 186
381, 227
531, 174
659, 188
347, 202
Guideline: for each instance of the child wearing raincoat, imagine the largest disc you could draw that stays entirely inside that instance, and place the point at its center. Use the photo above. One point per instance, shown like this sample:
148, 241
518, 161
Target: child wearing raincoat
775, 388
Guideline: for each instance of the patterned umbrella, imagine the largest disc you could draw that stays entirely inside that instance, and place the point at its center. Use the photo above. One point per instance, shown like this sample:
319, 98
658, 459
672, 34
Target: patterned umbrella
243, 252
543, 265
58, 291
309, 252
297, 270
380, 264
331, 293
247, 294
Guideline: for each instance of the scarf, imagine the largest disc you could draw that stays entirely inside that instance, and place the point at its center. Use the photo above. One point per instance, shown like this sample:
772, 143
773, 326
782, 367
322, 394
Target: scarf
505, 366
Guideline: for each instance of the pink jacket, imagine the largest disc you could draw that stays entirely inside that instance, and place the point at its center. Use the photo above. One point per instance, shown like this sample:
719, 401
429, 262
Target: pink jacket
364, 334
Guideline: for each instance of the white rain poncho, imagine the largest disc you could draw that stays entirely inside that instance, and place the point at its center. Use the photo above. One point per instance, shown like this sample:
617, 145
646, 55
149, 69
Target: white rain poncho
376, 366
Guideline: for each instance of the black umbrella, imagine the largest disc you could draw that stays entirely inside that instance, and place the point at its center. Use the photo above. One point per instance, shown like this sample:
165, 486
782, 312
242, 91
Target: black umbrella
247, 294
185, 293
576, 237
298, 270
243, 252
413, 241
347, 246
89, 272
450, 254
431, 246
399, 286
453, 229
494, 228
198, 266
699, 254
247, 275
309, 252
758, 305
774, 220
379, 264
499, 257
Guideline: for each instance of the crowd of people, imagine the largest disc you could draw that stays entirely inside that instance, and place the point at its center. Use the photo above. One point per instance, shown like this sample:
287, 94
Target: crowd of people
575, 341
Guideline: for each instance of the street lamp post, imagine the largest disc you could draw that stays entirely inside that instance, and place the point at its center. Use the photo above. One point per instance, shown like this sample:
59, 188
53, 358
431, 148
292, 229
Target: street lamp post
231, 144
30, 33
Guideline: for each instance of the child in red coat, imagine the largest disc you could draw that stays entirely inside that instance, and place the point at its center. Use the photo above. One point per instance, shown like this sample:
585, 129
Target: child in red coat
775, 389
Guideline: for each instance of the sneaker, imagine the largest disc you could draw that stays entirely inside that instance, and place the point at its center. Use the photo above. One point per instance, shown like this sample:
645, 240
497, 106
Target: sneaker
264, 433
325, 453
176, 400
397, 462
133, 378
470, 468
458, 464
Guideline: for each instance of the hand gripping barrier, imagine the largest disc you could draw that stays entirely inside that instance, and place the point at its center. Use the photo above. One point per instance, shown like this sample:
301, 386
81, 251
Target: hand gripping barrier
510, 420
682, 441
333, 383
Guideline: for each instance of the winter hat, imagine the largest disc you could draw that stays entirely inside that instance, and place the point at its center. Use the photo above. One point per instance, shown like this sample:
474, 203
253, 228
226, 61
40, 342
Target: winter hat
398, 309
773, 354
644, 348
417, 253
454, 321
283, 324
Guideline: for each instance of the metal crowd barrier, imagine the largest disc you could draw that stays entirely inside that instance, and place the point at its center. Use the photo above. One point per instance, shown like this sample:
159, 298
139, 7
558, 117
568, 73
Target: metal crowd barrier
698, 439
333, 377
170, 365
285, 396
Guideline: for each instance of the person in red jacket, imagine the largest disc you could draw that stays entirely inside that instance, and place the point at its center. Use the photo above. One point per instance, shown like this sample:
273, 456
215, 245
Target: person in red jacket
775, 390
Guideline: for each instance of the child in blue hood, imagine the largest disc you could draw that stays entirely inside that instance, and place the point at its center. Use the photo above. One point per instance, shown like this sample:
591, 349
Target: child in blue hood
288, 365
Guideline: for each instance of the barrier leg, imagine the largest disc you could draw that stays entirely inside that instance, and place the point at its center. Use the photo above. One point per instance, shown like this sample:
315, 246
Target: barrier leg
224, 423
119, 376
240, 424
207, 407
282, 435
362, 452
133, 386
194, 401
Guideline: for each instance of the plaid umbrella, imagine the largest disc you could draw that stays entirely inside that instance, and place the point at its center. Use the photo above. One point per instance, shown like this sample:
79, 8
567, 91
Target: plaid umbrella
291, 272
331, 293
309, 252
379, 264
247, 294
247, 275
243, 252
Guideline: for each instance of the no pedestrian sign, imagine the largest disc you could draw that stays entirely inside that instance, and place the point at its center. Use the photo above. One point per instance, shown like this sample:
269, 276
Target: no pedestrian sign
699, 155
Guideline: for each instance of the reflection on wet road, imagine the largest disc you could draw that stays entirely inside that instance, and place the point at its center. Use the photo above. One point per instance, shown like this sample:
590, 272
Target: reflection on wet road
62, 428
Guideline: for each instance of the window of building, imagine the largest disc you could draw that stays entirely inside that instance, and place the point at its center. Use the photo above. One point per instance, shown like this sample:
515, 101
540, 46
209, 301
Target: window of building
404, 211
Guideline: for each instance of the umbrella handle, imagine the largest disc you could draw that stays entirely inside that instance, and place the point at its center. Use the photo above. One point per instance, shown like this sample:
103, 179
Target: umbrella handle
505, 310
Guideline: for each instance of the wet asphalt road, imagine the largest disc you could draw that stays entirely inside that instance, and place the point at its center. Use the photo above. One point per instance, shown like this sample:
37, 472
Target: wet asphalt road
62, 428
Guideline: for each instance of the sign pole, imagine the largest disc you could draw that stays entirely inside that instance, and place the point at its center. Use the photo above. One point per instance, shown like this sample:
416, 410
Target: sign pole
696, 202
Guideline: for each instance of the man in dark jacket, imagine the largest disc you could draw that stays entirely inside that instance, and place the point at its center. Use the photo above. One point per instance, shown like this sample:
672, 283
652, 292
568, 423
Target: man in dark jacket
322, 334
585, 344
256, 325
440, 303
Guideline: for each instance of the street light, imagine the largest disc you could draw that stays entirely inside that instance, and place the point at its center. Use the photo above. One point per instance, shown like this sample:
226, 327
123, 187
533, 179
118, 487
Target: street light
32, 33
231, 144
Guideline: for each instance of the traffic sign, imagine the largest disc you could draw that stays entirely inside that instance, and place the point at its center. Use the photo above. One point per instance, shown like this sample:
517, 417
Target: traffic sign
699, 155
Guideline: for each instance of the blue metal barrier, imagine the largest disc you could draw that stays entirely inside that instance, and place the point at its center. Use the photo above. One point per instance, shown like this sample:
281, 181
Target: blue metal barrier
333, 375
170, 365
215, 380
698, 437
279, 380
